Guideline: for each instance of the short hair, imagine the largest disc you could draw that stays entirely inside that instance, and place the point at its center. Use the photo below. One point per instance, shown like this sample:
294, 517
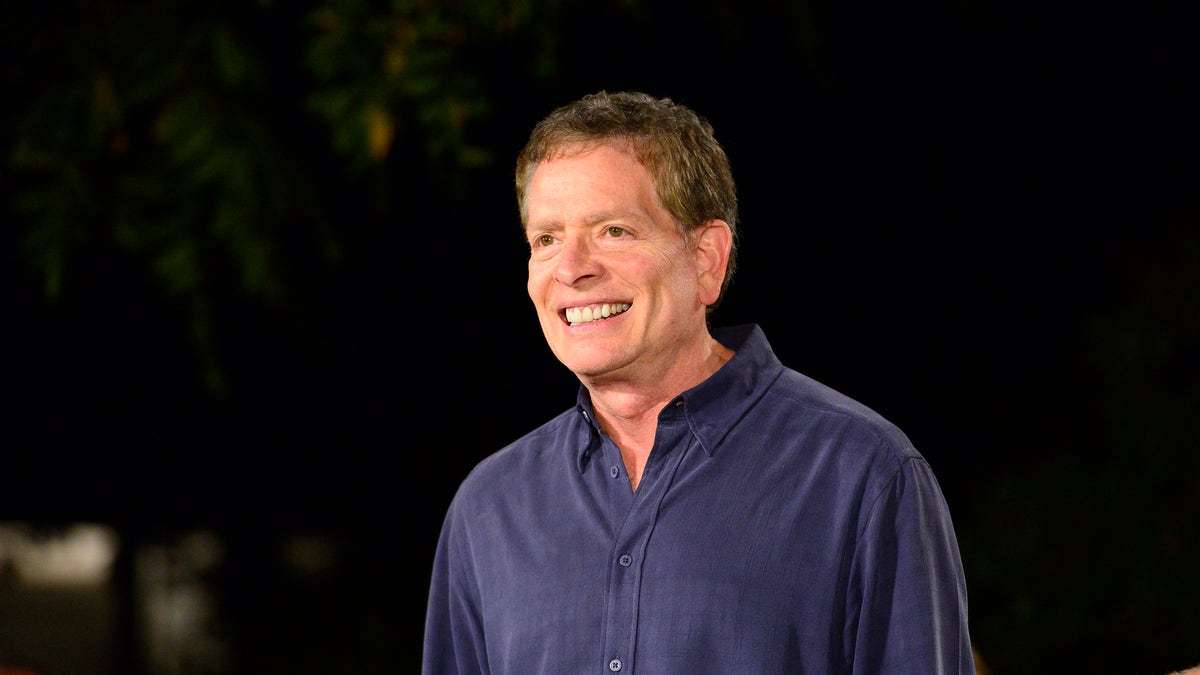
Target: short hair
691, 173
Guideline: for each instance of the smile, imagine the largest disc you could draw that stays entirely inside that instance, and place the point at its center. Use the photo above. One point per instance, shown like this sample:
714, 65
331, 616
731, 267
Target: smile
590, 313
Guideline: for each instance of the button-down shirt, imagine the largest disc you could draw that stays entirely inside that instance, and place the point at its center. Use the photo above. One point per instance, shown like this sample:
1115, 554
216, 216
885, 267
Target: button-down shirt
779, 527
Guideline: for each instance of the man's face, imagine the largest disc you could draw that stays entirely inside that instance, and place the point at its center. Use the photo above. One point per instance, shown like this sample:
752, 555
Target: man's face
614, 284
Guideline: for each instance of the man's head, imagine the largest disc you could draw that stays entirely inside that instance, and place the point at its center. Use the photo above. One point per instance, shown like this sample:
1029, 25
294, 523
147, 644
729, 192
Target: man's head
691, 172
624, 200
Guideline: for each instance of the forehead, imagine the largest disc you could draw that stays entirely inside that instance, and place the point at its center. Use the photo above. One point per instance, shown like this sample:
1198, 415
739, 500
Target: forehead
586, 174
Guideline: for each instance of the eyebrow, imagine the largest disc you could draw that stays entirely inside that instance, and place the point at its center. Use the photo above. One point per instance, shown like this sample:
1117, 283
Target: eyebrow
594, 219
614, 215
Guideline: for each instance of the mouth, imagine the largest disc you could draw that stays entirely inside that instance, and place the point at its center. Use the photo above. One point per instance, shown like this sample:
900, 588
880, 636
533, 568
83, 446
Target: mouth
589, 313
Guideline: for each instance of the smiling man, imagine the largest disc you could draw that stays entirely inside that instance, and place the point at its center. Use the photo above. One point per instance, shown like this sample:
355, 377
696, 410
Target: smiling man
702, 508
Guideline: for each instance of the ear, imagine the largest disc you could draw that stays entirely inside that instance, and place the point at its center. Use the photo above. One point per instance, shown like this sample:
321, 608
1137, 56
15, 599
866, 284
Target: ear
714, 240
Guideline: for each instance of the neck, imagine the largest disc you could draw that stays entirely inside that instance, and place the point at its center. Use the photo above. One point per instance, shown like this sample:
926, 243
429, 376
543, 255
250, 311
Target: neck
627, 410
644, 395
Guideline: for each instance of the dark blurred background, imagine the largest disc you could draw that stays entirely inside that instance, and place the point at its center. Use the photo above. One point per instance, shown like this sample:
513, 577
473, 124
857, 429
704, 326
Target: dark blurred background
265, 286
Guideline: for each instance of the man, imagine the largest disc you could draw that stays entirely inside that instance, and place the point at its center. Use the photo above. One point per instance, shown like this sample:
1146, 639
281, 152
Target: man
702, 508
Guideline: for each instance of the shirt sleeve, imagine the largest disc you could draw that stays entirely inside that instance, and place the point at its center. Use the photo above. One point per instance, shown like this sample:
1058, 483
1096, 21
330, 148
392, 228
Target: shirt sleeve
908, 597
454, 641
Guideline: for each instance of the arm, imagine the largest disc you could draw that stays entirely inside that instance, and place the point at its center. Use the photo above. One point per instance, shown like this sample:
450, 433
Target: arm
908, 598
454, 641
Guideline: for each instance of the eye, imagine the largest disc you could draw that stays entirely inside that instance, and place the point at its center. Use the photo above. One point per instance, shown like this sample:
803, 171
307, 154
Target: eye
614, 231
542, 240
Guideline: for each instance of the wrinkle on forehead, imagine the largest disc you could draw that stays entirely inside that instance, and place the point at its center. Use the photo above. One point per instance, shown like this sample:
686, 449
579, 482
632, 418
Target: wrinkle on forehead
585, 191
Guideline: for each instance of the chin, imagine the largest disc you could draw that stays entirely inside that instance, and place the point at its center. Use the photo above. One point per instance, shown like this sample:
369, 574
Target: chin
585, 365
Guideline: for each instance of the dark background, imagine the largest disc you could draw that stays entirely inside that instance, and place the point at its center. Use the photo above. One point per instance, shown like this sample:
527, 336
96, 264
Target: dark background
230, 311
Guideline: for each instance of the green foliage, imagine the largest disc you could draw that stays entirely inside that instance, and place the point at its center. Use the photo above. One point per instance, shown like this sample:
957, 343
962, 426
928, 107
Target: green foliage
386, 68
177, 138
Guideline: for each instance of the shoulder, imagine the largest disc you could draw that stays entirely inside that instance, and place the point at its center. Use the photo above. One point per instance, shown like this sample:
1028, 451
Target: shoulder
826, 415
823, 401
544, 450
869, 459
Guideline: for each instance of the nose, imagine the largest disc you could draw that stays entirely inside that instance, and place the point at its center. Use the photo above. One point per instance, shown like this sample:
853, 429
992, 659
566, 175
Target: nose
576, 261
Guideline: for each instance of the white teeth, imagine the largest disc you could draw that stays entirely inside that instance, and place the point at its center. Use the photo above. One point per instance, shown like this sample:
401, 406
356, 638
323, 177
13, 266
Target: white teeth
578, 315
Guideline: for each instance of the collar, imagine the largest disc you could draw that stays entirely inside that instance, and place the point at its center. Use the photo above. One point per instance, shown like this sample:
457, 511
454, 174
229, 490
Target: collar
714, 406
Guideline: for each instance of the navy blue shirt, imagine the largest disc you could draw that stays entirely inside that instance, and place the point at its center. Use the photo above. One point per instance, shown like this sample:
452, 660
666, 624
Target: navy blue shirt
779, 527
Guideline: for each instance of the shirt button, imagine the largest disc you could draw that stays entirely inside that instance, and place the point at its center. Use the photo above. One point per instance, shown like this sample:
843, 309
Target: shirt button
614, 471
615, 665
626, 561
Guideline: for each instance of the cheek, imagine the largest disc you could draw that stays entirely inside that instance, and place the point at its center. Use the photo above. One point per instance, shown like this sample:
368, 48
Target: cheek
680, 276
535, 281
668, 267
538, 286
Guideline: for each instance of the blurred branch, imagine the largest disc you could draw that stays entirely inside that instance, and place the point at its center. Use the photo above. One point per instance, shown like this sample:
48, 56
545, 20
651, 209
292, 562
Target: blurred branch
380, 72
179, 139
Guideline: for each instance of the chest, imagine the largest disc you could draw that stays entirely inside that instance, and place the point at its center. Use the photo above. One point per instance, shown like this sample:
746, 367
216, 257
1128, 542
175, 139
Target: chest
721, 551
